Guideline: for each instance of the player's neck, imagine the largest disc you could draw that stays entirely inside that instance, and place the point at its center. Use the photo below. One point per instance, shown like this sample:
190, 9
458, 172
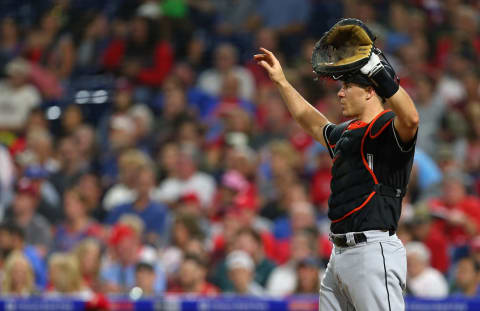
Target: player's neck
370, 112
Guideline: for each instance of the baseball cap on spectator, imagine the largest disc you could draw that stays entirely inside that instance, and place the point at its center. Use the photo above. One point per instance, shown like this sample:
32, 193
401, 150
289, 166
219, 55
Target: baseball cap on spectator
35, 172
189, 197
147, 259
239, 259
234, 180
26, 186
120, 232
246, 200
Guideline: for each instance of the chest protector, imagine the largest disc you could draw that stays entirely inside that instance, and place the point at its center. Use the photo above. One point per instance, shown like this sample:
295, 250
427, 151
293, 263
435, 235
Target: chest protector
353, 181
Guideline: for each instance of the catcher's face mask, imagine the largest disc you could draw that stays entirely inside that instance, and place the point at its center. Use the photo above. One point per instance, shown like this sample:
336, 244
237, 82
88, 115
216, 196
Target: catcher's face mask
345, 48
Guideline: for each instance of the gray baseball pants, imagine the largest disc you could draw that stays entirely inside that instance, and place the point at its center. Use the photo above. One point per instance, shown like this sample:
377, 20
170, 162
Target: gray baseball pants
367, 276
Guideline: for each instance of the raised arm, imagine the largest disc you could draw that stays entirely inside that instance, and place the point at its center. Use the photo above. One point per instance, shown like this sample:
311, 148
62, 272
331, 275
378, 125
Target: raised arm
406, 119
311, 120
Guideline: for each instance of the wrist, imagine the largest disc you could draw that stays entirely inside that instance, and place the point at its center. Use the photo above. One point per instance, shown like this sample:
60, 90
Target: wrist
282, 82
384, 84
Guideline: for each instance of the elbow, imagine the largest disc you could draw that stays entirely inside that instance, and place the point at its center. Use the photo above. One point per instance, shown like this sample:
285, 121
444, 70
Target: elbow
412, 121
415, 121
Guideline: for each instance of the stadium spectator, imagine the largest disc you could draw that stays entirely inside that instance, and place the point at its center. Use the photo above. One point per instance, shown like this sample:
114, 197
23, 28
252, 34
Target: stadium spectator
284, 280
24, 213
308, 276
458, 212
88, 253
71, 120
72, 165
65, 277
121, 137
431, 107
423, 280
185, 228
91, 42
467, 278
186, 179
17, 96
49, 199
153, 214
240, 267
50, 48
129, 163
226, 58
143, 118
125, 250
12, 239
18, 278
89, 187
421, 227
192, 278
10, 41
141, 57
249, 241
78, 224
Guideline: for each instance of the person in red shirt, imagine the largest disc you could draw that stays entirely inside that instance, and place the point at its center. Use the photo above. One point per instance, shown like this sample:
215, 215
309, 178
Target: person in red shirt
192, 278
457, 212
423, 229
141, 57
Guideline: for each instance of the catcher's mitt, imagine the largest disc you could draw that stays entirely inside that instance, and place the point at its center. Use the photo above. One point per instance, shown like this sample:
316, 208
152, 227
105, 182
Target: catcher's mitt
345, 48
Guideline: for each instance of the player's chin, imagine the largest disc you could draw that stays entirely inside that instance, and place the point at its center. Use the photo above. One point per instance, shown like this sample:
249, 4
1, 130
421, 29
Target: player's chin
346, 113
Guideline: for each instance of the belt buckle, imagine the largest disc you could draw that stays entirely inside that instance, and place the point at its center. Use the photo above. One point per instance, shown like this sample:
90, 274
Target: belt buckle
350, 239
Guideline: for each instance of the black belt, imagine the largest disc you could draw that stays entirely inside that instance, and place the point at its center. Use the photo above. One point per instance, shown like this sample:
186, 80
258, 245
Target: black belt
341, 239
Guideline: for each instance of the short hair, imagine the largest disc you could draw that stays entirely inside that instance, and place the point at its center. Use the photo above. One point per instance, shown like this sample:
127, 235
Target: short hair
13, 229
143, 266
196, 259
251, 232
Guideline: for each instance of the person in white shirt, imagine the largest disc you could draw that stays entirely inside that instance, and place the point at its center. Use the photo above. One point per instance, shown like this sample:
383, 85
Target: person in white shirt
423, 280
240, 270
226, 56
187, 179
17, 96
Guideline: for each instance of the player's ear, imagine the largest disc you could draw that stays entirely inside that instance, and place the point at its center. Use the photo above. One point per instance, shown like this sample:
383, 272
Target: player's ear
369, 93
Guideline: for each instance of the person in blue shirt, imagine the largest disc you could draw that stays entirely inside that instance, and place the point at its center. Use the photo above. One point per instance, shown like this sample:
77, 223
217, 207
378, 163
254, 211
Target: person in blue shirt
126, 251
12, 238
153, 214
467, 278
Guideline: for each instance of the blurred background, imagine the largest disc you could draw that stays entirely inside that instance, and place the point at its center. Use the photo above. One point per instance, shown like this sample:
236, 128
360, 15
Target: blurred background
143, 152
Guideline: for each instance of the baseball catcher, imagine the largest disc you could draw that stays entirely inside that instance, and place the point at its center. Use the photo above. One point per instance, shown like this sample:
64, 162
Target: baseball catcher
372, 156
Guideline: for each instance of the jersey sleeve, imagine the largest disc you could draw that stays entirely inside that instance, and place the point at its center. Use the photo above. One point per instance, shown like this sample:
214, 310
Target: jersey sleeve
400, 145
327, 131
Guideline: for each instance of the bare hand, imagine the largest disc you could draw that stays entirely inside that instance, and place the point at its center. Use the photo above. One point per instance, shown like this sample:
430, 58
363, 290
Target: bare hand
268, 61
457, 218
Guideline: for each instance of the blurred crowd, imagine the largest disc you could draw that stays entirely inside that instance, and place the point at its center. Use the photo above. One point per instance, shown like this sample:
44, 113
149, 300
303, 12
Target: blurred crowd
143, 152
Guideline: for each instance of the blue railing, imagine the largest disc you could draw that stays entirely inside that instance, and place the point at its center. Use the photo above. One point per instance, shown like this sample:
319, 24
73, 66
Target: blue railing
222, 303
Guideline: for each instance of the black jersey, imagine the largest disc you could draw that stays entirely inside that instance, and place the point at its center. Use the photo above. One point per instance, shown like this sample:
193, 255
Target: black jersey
370, 173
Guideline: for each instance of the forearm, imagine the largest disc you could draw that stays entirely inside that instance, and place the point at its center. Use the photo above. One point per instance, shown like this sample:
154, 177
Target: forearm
404, 108
302, 111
